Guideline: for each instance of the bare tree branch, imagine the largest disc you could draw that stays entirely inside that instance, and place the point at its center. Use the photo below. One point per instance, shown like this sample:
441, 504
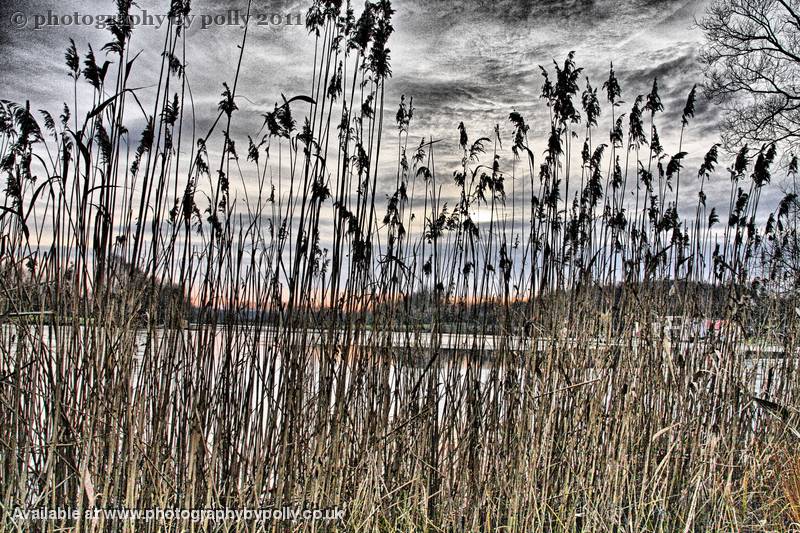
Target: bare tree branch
752, 60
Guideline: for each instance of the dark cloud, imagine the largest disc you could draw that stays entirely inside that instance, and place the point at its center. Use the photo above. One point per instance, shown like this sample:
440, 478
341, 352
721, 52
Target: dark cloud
470, 61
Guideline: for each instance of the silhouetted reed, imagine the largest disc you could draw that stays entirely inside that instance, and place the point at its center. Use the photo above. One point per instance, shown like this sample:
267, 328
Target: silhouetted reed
573, 344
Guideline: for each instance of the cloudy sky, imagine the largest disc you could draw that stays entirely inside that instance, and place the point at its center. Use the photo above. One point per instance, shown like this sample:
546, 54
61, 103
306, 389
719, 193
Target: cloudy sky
461, 61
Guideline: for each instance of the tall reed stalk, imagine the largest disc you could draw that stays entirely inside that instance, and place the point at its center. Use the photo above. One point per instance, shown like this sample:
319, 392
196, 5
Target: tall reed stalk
188, 323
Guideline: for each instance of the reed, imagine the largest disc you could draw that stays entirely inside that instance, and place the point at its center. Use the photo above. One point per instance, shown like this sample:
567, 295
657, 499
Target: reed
533, 341
791, 487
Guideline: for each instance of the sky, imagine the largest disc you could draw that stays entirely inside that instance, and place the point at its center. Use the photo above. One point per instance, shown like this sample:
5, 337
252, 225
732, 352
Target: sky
461, 61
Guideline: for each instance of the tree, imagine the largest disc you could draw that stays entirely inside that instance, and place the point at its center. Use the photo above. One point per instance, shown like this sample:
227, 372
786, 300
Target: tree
752, 64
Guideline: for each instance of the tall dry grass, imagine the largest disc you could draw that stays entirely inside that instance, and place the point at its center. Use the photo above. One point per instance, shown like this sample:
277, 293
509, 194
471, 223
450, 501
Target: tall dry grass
173, 340
790, 477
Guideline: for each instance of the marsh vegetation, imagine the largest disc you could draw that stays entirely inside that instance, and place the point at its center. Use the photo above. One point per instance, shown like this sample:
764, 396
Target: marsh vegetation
173, 339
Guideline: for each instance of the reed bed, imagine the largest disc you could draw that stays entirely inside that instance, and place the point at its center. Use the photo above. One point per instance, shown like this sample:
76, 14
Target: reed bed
537, 355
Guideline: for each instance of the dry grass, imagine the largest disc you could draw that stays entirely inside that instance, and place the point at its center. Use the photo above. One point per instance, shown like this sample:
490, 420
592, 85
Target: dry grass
790, 478
171, 341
